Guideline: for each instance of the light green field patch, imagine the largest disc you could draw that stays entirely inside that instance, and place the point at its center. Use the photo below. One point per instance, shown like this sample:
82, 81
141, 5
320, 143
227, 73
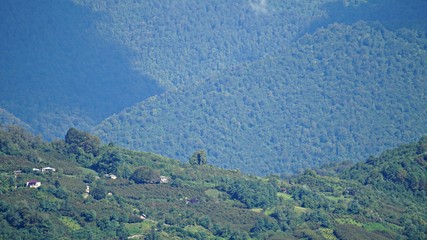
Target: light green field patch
269, 211
213, 193
301, 210
88, 171
257, 210
327, 233
199, 229
72, 224
336, 199
375, 227
284, 196
348, 221
140, 228
384, 227
198, 184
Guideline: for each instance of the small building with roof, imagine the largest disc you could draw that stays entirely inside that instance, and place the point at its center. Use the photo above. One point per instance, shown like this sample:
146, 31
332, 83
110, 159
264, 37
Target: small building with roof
33, 184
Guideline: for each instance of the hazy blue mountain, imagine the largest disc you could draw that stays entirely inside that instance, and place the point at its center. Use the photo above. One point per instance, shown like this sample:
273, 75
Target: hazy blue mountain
57, 71
7, 118
343, 92
180, 43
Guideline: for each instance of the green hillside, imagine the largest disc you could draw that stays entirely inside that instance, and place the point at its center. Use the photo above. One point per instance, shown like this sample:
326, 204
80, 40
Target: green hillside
101, 191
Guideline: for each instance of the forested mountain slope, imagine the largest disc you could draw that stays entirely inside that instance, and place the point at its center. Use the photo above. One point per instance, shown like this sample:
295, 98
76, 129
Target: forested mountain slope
7, 118
180, 43
82, 189
343, 92
57, 71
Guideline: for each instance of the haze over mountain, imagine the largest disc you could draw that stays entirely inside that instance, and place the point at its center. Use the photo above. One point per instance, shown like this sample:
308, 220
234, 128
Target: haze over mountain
291, 89
57, 71
7, 118
263, 86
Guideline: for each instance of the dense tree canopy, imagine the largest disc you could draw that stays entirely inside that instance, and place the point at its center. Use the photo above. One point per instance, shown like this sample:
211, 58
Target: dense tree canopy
145, 175
80, 139
296, 109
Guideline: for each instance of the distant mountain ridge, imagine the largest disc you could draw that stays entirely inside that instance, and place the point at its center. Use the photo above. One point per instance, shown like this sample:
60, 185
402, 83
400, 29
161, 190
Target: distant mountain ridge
343, 92
7, 118
58, 71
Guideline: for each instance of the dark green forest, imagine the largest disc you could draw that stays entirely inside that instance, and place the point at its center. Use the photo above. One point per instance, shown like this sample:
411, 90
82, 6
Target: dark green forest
313, 103
262, 86
90, 190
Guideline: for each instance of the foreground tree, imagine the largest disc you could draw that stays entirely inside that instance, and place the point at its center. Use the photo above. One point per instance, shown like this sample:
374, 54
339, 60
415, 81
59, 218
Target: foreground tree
145, 175
80, 139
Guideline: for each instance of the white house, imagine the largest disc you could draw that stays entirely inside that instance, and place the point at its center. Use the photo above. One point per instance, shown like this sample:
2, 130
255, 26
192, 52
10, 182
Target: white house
164, 179
33, 184
112, 176
48, 169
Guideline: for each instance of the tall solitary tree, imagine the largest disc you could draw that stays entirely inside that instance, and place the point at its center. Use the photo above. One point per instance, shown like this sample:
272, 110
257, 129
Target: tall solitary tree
80, 139
198, 158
